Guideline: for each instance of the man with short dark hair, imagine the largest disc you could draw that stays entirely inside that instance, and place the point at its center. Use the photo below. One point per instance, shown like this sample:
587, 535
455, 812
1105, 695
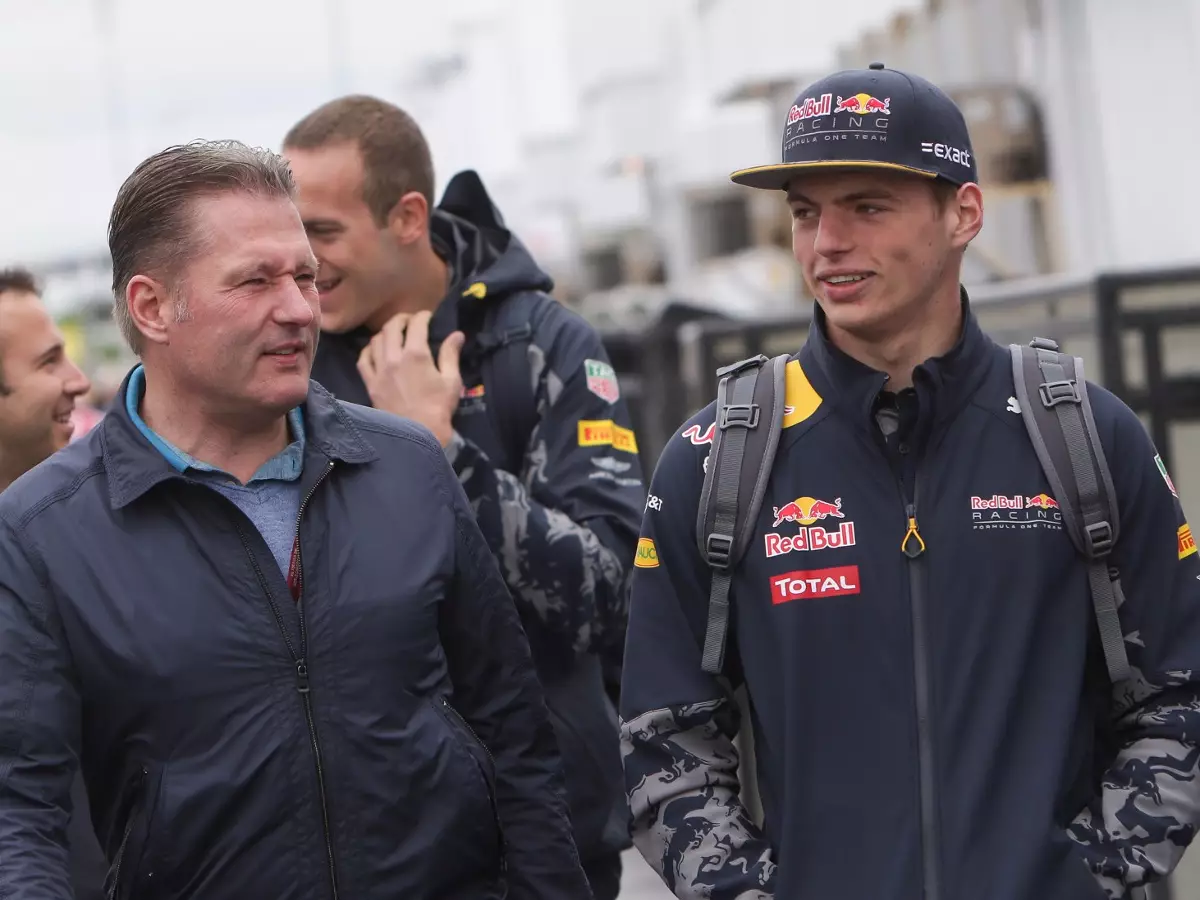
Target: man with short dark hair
540, 436
265, 621
40, 387
944, 703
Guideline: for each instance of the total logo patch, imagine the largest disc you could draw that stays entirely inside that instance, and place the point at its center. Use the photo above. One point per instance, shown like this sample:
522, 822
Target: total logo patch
1015, 511
1187, 543
647, 554
838, 581
807, 512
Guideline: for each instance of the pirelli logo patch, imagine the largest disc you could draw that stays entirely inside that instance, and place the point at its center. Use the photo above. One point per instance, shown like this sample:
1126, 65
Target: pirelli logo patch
1187, 543
647, 554
603, 433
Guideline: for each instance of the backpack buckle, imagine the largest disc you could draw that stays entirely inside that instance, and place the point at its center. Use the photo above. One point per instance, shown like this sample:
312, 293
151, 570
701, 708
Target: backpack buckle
1041, 343
742, 364
1056, 392
743, 415
720, 549
1100, 537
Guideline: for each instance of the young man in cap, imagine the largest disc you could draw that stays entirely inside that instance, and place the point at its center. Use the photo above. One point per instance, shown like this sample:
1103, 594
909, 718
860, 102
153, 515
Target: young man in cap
932, 713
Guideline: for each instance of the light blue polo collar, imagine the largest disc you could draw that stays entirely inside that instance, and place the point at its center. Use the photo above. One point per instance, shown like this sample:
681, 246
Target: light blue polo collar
285, 465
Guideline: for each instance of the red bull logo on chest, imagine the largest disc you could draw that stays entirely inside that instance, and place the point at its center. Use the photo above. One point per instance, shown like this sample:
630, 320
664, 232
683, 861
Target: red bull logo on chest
1015, 511
807, 512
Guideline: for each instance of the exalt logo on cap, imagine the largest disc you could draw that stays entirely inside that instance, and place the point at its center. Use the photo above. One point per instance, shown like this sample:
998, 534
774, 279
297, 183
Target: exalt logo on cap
946, 152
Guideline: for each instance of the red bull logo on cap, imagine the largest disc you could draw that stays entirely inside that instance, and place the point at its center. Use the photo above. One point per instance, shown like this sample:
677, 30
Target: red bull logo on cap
863, 105
807, 512
812, 106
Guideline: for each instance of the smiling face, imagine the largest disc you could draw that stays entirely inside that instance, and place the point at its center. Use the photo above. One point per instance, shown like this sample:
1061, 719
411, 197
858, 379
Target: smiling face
877, 247
40, 384
363, 263
239, 325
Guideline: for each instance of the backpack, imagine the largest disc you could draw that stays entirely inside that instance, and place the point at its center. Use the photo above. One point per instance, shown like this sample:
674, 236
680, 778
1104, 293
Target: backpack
1051, 391
499, 341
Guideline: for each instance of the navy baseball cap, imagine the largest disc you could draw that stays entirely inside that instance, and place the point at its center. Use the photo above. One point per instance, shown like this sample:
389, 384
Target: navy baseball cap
873, 118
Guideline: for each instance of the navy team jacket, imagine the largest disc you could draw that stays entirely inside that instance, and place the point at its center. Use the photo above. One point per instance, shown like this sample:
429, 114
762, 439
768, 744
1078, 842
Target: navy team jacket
937, 727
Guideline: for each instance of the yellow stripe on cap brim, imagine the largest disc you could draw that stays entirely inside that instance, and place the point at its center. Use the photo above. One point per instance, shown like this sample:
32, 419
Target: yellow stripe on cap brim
776, 176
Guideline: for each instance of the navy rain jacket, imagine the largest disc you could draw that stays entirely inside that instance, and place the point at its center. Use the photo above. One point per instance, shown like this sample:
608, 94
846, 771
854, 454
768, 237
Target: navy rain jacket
386, 733
563, 518
939, 727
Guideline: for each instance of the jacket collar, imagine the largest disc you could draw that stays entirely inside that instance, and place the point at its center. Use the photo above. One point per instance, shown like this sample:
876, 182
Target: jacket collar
944, 384
134, 465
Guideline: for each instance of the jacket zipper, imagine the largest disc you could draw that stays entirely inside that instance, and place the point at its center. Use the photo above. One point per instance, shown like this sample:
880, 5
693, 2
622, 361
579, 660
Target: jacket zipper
488, 784
467, 725
135, 809
302, 683
913, 547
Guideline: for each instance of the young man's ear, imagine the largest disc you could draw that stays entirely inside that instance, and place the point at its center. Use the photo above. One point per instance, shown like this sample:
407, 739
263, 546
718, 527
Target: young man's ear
408, 220
966, 210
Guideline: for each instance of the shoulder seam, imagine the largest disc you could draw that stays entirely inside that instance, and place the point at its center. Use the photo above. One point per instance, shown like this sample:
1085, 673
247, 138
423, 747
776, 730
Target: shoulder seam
95, 468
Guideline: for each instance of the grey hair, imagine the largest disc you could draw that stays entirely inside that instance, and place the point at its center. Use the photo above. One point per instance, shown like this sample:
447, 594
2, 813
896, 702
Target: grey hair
150, 227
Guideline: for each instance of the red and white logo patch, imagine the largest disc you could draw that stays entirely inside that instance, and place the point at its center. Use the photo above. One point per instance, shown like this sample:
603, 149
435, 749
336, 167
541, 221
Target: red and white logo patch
837, 581
807, 512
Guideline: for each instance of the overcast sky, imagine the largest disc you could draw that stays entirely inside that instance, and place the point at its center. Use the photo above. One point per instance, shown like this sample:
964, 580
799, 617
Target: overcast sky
89, 87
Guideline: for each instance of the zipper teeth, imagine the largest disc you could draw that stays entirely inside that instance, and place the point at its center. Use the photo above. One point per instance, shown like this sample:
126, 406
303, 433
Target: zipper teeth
308, 706
116, 882
467, 725
929, 839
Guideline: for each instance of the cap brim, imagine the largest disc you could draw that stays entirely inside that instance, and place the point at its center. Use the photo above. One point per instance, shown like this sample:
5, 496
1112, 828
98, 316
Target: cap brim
776, 177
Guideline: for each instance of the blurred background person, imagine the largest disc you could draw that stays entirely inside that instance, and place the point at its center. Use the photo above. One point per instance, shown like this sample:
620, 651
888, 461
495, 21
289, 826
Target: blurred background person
40, 387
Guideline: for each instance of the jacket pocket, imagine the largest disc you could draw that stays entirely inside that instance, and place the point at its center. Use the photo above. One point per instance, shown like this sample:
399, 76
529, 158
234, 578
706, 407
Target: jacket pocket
483, 760
140, 806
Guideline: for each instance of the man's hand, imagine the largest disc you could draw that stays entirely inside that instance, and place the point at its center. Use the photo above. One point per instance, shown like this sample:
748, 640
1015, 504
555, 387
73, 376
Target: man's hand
398, 369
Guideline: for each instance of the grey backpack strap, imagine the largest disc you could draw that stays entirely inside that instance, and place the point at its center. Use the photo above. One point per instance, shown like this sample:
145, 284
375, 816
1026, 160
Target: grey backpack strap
1052, 393
749, 418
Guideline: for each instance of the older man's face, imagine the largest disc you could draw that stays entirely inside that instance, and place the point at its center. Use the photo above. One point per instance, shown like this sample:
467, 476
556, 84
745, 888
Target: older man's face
247, 311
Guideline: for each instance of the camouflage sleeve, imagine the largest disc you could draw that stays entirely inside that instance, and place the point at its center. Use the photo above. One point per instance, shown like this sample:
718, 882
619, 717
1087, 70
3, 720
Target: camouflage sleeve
678, 724
1147, 813
565, 529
